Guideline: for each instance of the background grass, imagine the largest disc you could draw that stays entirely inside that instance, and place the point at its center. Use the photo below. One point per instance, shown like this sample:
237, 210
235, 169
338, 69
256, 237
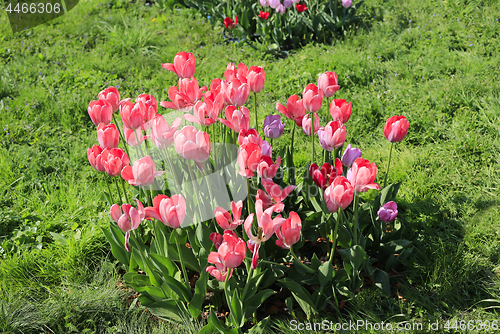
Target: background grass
437, 63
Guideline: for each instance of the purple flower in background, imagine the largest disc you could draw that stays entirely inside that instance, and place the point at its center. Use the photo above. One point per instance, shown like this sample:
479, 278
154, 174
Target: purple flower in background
295, 1
274, 3
266, 149
350, 154
263, 3
273, 128
388, 212
346, 3
287, 3
281, 9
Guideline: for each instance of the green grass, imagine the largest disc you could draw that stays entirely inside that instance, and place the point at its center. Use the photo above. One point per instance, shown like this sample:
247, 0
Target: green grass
440, 70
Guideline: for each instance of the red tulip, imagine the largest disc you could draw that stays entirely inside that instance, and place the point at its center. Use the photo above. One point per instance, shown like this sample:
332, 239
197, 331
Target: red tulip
249, 136
179, 100
264, 15
94, 154
112, 96
108, 135
184, 65
216, 238
266, 169
341, 110
236, 119
141, 173
362, 175
256, 78
312, 98
162, 133
324, 177
301, 7
307, 124
224, 218
114, 160
333, 135
289, 233
240, 72
100, 111
192, 144
396, 128
294, 109
236, 92
248, 159
339, 194
128, 218
229, 23
328, 83
277, 194
204, 112
171, 211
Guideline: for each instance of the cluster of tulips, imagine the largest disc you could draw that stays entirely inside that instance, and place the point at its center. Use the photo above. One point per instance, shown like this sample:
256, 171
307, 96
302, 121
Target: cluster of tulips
221, 111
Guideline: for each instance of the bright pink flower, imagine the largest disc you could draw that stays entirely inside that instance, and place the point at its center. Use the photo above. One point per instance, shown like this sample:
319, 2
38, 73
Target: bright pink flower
204, 112
248, 159
307, 124
396, 128
132, 136
333, 135
229, 23
135, 115
190, 88
141, 173
340, 109
312, 98
179, 100
184, 65
128, 218
224, 218
94, 154
108, 135
339, 194
266, 169
249, 136
236, 92
239, 73
111, 95
162, 133
324, 177
328, 83
236, 119
215, 86
267, 201
264, 15
216, 238
362, 175
294, 110
171, 211
256, 78
114, 160
150, 104
231, 252
100, 111
277, 194
289, 233
192, 144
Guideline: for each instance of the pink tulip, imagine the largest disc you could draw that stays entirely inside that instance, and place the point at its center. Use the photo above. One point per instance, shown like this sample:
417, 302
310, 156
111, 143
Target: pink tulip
150, 104
184, 65
339, 194
328, 83
162, 133
266, 169
192, 144
236, 92
231, 252
171, 211
236, 73
100, 111
277, 194
294, 109
179, 100
217, 100
224, 218
141, 173
289, 233
396, 128
190, 88
341, 110
134, 137
256, 78
216, 238
333, 135
112, 96
204, 113
114, 160
248, 159
312, 98
128, 218
236, 119
362, 175
94, 154
324, 177
307, 124
346, 3
135, 115
108, 135
249, 136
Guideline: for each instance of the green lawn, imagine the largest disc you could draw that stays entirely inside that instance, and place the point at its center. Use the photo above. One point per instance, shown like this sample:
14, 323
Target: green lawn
437, 63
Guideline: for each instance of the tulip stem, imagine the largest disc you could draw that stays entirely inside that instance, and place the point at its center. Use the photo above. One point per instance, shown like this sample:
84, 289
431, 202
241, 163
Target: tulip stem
388, 165
197, 195
248, 197
124, 191
121, 135
356, 216
255, 108
118, 189
109, 190
334, 235
312, 139
228, 298
180, 259
138, 143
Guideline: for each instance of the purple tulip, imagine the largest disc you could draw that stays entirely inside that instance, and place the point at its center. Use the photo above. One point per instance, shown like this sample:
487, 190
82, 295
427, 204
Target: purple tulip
287, 3
274, 3
346, 3
266, 149
350, 154
263, 3
388, 212
273, 128
295, 1
281, 9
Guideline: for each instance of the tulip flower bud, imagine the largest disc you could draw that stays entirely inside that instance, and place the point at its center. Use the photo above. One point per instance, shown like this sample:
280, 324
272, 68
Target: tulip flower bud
328, 83
333, 135
273, 128
339, 194
388, 212
256, 78
396, 128
350, 154
108, 135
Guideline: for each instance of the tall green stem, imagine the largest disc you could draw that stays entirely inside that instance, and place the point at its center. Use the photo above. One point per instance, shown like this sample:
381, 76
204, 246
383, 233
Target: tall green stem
109, 189
125, 191
334, 236
118, 189
180, 259
388, 165
255, 108
195, 182
356, 202
121, 135
312, 139
228, 299
249, 201
291, 169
